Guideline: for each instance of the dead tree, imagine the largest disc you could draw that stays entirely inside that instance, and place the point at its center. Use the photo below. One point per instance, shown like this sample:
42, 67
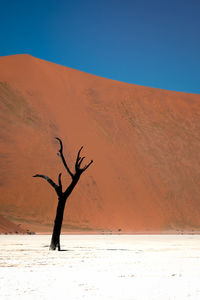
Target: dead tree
63, 195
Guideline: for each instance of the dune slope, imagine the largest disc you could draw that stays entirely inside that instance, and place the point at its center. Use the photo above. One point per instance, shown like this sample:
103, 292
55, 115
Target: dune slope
8, 227
144, 141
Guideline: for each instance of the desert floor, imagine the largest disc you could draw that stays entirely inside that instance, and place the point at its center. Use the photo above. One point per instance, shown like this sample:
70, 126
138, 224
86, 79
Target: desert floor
106, 267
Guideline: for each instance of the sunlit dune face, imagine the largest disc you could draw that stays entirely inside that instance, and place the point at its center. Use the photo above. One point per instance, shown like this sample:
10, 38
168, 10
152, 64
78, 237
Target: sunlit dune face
144, 143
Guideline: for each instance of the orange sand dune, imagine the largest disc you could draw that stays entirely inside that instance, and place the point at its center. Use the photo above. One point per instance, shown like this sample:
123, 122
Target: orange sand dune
7, 226
145, 143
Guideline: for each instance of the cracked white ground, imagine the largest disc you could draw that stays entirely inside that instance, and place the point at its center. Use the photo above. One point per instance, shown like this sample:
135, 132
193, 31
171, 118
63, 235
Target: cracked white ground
125, 267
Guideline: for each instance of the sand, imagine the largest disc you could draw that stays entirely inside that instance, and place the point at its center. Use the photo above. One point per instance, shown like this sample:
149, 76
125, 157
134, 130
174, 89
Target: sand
144, 142
7, 227
101, 267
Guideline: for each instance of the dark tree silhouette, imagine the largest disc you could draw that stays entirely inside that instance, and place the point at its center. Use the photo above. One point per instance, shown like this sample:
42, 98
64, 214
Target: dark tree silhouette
63, 195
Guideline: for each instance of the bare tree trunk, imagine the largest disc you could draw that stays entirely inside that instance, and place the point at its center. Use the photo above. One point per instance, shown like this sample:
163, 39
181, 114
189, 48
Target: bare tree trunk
55, 239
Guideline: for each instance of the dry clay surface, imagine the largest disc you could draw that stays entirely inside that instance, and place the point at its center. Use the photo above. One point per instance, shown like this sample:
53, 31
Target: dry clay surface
100, 267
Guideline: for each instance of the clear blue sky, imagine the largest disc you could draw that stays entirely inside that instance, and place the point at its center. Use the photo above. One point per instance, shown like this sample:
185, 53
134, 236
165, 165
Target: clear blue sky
148, 42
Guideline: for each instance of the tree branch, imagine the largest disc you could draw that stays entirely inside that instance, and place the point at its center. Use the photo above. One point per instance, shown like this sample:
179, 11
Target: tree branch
63, 159
59, 180
78, 155
79, 160
87, 166
50, 181
79, 164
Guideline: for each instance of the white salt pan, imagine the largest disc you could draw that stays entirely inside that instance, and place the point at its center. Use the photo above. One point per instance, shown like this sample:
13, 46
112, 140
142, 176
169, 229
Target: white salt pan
100, 267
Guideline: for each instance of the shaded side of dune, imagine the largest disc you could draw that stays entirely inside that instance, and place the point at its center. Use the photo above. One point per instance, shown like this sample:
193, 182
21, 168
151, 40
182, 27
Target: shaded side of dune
9, 227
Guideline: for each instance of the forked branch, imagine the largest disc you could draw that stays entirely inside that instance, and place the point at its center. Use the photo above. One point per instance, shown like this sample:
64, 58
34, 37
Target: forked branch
85, 168
79, 160
57, 188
